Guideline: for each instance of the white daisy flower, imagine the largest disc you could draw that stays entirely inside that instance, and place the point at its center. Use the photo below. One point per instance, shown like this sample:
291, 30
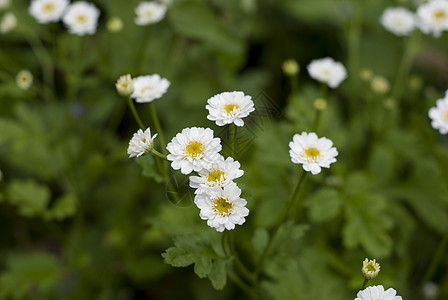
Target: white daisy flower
24, 79
46, 11
398, 20
328, 71
4, 4
220, 173
193, 149
229, 107
377, 293
8, 22
148, 88
439, 115
141, 142
149, 12
312, 152
81, 18
432, 17
222, 207
370, 269
125, 85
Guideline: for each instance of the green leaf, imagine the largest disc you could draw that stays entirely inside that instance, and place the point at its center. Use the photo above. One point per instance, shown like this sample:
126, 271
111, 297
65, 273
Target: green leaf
26, 273
324, 205
260, 239
198, 250
65, 206
31, 197
149, 167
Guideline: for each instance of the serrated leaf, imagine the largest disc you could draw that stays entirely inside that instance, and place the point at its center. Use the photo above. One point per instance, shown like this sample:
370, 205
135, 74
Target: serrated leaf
149, 167
29, 196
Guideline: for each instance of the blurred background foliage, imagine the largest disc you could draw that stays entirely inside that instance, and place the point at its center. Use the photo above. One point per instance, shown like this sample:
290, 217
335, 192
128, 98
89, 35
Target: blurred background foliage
79, 220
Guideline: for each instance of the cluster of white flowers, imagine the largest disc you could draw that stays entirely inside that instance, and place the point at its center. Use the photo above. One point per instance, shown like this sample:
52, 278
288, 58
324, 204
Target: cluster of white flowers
377, 292
439, 115
143, 89
312, 152
431, 17
80, 17
327, 71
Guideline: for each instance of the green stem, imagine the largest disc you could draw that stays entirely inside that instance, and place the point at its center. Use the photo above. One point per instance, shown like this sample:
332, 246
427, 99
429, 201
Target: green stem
316, 120
232, 136
277, 226
364, 284
156, 121
135, 113
354, 38
235, 279
157, 153
241, 267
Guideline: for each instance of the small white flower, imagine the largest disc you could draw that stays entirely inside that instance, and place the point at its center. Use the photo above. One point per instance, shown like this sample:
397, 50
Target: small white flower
432, 17
114, 24
4, 4
220, 173
328, 71
398, 20
148, 88
81, 18
313, 152
125, 85
229, 107
222, 207
8, 22
46, 11
193, 149
141, 142
24, 79
439, 115
149, 12
377, 293
370, 269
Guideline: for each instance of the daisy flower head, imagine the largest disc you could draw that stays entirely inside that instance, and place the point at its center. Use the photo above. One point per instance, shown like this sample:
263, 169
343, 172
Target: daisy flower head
432, 17
193, 149
141, 142
81, 18
377, 293
229, 107
370, 269
149, 87
220, 173
125, 85
398, 20
8, 22
439, 115
149, 12
24, 79
46, 11
222, 207
312, 152
328, 71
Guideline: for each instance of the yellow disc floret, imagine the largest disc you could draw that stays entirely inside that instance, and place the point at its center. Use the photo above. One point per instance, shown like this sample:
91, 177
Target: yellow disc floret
194, 149
215, 176
222, 206
230, 107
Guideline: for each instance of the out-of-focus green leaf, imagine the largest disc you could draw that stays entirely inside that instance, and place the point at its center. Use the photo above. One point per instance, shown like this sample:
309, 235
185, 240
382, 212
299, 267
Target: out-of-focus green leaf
324, 205
29, 196
65, 206
149, 167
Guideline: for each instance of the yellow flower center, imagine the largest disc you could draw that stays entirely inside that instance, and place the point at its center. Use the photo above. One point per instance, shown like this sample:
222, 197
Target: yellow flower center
446, 115
48, 7
81, 19
222, 206
371, 267
215, 175
439, 14
312, 152
194, 149
230, 107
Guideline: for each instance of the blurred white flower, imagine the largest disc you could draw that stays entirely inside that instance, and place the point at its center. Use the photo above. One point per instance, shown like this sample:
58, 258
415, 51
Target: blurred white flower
141, 142
432, 17
125, 85
439, 115
398, 20
149, 12
220, 173
24, 79
148, 88
4, 4
114, 24
312, 152
46, 11
193, 149
8, 22
81, 18
377, 292
328, 71
229, 107
370, 269
222, 207
380, 85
